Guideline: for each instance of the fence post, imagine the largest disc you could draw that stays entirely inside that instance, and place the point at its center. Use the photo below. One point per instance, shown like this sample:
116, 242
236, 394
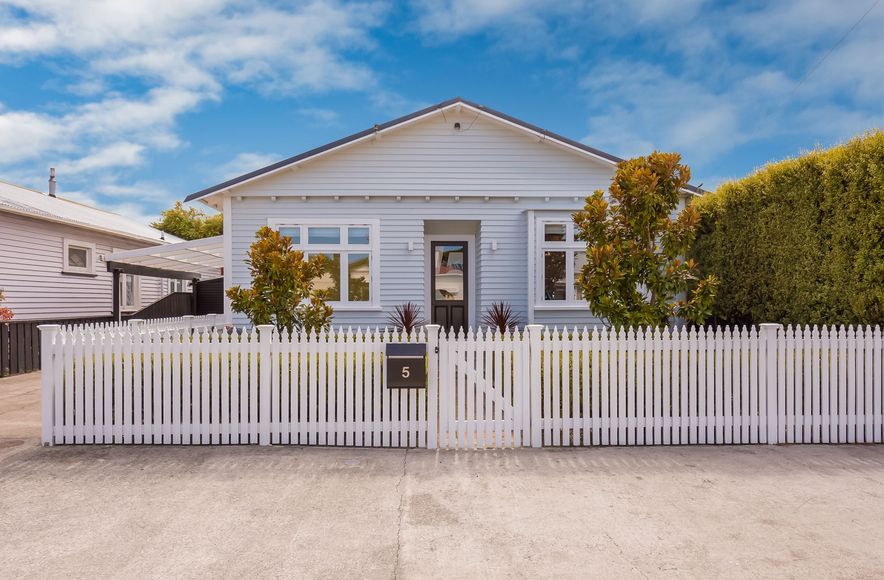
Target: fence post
48, 333
188, 321
770, 332
265, 335
433, 386
534, 381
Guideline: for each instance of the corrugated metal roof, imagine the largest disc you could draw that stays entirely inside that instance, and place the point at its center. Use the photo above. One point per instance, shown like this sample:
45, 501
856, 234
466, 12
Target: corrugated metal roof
203, 258
21, 200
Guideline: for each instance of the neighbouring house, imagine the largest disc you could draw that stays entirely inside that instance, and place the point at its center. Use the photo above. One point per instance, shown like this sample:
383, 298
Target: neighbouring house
454, 207
52, 253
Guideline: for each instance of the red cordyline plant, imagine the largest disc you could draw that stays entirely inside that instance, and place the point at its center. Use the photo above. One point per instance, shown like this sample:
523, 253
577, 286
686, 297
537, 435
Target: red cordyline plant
500, 315
406, 317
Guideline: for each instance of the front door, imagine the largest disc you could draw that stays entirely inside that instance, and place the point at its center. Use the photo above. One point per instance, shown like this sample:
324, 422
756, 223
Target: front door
449, 284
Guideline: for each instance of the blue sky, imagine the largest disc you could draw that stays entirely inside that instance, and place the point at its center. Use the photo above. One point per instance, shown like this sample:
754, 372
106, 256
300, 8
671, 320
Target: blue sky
139, 103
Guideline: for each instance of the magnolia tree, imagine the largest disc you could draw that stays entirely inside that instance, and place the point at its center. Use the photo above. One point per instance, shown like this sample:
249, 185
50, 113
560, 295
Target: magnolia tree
635, 272
283, 291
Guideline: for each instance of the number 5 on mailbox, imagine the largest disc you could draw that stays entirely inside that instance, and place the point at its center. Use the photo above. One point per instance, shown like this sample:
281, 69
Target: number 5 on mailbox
406, 365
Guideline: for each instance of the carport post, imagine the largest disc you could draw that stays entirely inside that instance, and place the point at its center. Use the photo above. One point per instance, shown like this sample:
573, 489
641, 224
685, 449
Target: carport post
535, 332
265, 335
770, 333
116, 294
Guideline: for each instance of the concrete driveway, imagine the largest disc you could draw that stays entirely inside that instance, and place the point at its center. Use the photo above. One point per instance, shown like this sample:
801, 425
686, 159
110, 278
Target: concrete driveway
296, 512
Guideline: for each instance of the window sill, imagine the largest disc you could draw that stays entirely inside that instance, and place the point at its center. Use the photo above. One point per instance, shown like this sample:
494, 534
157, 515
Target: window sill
564, 306
82, 274
354, 307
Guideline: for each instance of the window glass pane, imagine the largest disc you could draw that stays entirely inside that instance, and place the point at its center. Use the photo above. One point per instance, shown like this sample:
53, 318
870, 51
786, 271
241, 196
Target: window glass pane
554, 276
324, 235
357, 235
359, 281
579, 262
554, 232
293, 232
78, 257
128, 290
330, 280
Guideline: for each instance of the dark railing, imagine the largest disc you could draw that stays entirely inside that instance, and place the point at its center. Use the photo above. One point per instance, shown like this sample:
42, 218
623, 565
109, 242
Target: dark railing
175, 304
20, 339
20, 343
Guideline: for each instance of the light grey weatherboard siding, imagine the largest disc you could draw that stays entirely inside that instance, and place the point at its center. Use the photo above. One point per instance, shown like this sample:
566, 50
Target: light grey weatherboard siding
499, 275
31, 258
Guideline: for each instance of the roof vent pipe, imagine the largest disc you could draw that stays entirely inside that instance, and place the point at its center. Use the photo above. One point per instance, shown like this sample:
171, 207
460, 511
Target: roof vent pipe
52, 182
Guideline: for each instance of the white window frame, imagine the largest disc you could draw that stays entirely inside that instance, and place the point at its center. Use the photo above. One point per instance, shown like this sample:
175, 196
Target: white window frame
373, 249
90, 259
570, 246
136, 288
183, 284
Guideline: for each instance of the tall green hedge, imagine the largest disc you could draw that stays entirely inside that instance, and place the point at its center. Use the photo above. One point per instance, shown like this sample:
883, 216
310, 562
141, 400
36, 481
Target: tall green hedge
800, 241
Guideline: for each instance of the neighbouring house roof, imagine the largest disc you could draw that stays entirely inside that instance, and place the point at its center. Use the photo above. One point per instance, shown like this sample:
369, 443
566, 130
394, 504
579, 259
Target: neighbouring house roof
455, 102
204, 258
31, 203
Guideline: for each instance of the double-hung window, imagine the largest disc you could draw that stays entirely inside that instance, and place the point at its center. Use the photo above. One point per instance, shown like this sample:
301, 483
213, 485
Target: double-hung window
560, 261
351, 251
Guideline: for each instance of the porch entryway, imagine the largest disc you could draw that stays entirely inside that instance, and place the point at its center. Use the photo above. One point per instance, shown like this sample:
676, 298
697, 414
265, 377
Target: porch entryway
451, 268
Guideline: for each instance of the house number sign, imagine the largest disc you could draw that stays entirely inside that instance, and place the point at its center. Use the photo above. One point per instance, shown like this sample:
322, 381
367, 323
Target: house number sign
406, 365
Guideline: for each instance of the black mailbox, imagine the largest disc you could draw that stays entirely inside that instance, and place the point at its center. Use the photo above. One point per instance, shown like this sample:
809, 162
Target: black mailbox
406, 365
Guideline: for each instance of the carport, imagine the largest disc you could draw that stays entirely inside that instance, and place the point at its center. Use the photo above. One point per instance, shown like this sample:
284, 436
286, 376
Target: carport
194, 260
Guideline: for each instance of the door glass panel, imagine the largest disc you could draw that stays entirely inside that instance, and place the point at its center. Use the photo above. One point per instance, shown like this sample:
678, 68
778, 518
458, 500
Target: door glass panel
554, 276
359, 280
324, 235
449, 271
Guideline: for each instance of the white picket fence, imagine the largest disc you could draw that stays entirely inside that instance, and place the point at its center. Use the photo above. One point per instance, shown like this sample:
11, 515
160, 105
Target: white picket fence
553, 387
154, 324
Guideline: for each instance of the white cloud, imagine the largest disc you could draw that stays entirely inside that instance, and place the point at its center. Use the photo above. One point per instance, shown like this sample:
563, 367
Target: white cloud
165, 58
246, 162
120, 154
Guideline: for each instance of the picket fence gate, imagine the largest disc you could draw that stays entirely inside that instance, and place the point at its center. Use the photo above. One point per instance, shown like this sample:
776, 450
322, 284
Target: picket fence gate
192, 384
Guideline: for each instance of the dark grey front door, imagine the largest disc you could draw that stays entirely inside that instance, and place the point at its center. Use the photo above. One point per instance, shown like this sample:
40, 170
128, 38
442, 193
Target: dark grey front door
449, 284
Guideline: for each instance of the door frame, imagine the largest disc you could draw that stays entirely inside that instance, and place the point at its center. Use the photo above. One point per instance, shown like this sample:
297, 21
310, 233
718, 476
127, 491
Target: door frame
470, 277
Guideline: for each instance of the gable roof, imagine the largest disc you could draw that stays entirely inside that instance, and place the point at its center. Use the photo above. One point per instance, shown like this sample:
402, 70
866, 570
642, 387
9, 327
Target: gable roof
570, 143
32, 203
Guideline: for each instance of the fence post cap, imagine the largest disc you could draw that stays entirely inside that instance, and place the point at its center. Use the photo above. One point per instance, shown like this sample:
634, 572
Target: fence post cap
135, 321
187, 316
48, 327
264, 328
770, 325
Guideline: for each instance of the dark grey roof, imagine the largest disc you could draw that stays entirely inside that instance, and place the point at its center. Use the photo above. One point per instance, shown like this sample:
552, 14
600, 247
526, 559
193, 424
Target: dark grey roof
393, 123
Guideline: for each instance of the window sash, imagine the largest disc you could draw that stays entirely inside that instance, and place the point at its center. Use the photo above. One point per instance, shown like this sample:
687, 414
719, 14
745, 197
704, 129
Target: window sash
569, 247
346, 250
89, 260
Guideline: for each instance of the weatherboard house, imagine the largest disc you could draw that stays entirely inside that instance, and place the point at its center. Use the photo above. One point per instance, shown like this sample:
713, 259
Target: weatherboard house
453, 207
